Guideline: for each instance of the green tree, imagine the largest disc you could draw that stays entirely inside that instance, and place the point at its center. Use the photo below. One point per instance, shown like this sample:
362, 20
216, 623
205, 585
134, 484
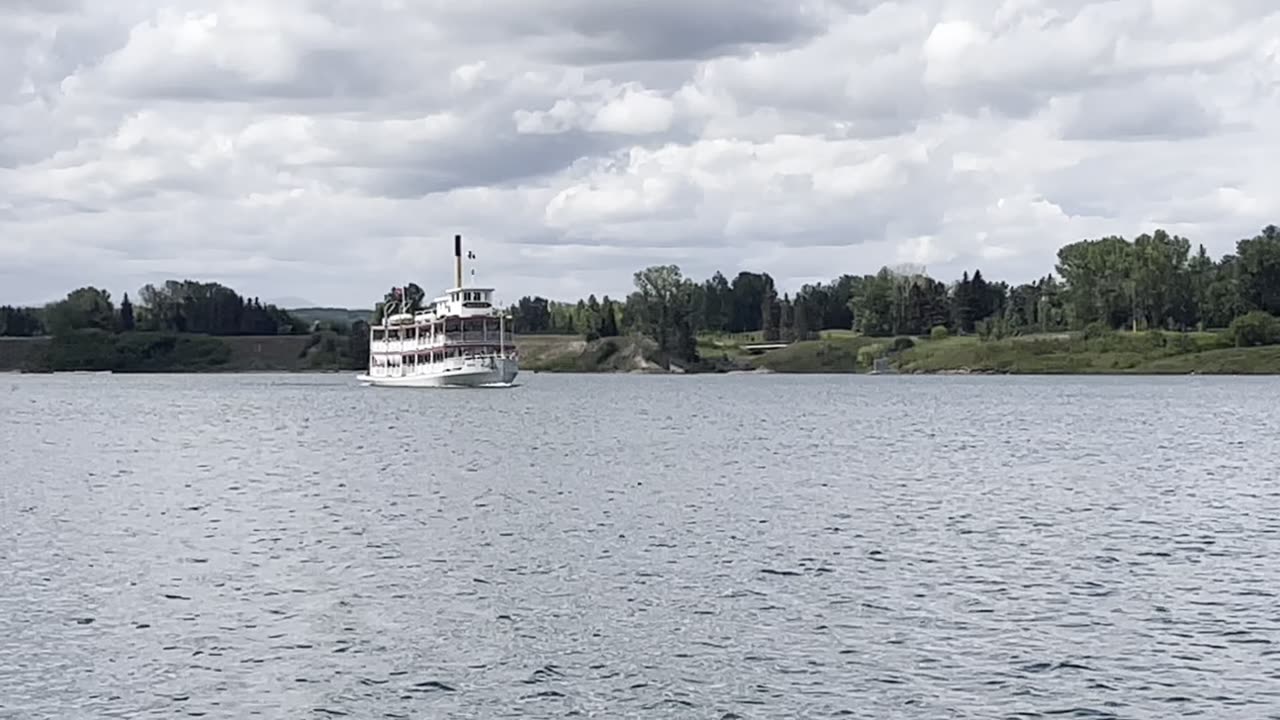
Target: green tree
188, 306
1099, 279
86, 308
662, 307
748, 293
532, 315
717, 303
873, 305
1259, 271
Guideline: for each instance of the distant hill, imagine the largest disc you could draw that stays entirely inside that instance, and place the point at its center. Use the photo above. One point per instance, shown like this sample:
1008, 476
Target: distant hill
288, 301
326, 314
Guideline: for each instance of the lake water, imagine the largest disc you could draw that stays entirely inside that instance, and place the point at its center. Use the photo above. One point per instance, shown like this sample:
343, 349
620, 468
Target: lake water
656, 547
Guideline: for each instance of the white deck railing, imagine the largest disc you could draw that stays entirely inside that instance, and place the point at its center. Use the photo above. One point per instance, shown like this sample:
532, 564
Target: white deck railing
428, 342
448, 364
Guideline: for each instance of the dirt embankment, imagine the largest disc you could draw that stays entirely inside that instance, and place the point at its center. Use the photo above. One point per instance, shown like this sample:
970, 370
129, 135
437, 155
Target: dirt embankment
16, 353
568, 353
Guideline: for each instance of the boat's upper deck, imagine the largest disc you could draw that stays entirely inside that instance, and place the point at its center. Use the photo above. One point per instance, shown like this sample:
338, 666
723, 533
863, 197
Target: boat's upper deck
463, 302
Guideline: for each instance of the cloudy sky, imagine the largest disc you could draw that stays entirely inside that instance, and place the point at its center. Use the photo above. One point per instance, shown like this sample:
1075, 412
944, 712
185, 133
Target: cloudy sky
327, 149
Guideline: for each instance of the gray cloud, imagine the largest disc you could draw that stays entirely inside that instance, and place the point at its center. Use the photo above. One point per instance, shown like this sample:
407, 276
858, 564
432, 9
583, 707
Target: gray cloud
590, 32
328, 148
1111, 114
678, 29
39, 7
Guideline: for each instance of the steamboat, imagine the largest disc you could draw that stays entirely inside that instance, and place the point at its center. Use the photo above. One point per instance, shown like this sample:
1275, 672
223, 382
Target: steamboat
460, 339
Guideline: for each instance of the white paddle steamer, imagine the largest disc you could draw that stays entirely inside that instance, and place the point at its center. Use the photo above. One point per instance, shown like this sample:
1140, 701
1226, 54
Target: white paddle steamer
460, 339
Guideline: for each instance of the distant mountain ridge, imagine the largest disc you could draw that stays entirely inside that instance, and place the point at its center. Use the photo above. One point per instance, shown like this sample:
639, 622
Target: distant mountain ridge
289, 301
330, 314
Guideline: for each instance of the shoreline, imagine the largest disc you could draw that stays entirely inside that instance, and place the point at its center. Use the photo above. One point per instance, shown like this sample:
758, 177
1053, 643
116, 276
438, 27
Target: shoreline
1149, 353
668, 373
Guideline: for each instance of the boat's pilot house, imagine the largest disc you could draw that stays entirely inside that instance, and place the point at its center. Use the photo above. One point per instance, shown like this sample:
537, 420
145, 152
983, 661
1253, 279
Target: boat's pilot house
472, 298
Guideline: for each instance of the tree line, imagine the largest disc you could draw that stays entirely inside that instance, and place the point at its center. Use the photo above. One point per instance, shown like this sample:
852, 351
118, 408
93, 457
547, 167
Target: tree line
1153, 281
174, 307
1150, 282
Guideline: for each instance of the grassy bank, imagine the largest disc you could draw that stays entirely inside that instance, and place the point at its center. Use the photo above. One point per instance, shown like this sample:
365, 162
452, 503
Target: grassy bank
1074, 353
170, 352
1050, 353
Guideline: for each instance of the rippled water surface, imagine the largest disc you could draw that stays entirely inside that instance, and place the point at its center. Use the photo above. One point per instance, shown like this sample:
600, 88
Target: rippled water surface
620, 546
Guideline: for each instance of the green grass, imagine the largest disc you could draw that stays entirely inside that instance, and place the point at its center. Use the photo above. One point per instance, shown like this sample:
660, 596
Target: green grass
842, 351
1228, 361
1068, 353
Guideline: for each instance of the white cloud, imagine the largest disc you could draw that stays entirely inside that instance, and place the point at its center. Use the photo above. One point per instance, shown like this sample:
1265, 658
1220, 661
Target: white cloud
635, 112
328, 148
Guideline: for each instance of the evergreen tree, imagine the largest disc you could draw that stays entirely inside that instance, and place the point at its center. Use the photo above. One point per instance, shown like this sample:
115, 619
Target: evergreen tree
786, 320
127, 323
608, 318
962, 305
769, 313
980, 305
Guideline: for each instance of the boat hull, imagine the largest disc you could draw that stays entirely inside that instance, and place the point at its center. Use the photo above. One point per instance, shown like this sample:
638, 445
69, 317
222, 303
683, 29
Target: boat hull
501, 374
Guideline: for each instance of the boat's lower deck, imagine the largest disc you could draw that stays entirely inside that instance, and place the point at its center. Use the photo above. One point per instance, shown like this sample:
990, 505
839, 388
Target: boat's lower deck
471, 371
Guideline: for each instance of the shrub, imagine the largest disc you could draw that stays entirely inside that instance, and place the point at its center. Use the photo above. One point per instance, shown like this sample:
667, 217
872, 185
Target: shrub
1096, 330
1255, 328
903, 343
939, 332
868, 353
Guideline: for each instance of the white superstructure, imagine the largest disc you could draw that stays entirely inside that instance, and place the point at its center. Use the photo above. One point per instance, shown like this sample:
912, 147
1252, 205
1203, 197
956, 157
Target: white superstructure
459, 339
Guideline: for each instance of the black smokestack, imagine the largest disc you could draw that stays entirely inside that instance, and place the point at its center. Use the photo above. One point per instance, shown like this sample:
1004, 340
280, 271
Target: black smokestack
457, 261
